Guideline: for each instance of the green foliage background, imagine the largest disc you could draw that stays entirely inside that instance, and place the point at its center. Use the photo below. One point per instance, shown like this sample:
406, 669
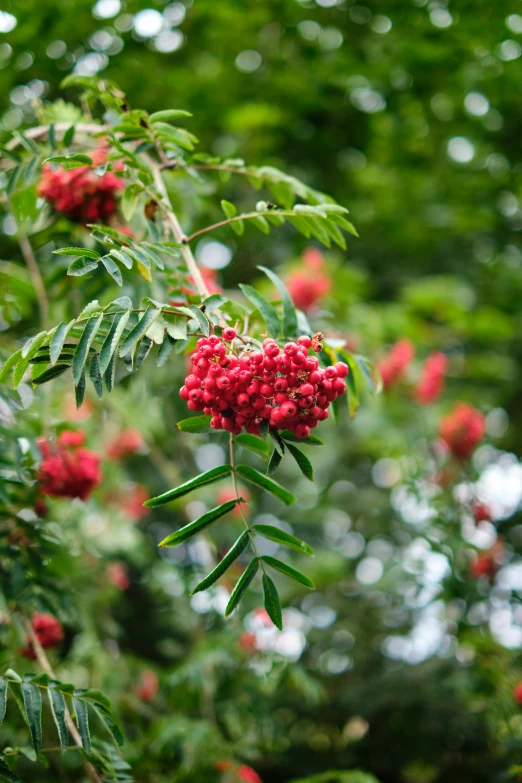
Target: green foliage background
438, 260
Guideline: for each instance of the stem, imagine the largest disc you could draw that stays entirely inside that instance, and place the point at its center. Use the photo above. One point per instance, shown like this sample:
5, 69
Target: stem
245, 520
226, 222
179, 235
36, 278
42, 659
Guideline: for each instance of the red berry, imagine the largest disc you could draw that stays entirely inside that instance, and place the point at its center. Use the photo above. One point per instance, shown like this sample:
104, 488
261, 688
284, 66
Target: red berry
229, 334
302, 431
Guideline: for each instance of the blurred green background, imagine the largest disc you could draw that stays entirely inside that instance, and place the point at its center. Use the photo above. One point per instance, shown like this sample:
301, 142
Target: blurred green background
407, 112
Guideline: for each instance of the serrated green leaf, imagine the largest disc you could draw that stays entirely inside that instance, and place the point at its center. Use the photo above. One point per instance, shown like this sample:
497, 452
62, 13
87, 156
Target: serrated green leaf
112, 269
33, 710
288, 571
268, 313
82, 721
201, 319
282, 537
32, 345
111, 341
95, 375
19, 372
79, 390
76, 251
57, 703
129, 201
231, 556
82, 350
209, 477
111, 723
165, 350
58, 340
289, 313
302, 460
50, 374
252, 442
194, 424
272, 602
190, 530
242, 585
122, 257
81, 267
8, 365
78, 157
255, 477
150, 314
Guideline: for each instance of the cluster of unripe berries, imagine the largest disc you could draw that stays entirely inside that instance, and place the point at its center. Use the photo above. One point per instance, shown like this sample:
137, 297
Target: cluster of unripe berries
284, 386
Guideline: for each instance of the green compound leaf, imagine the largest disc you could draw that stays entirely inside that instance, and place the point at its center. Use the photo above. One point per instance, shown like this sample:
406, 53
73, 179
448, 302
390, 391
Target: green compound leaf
288, 571
216, 474
260, 480
242, 586
190, 530
268, 313
272, 602
233, 553
282, 537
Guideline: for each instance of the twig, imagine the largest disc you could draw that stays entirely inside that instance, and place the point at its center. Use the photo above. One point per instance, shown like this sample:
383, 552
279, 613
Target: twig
36, 278
42, 659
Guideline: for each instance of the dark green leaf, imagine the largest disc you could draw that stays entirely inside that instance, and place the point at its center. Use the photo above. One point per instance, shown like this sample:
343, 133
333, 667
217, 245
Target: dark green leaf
82, 721
68, 136
252, 442
288, 571
282, 537
190, 530
95, 375
148, 317
201, 318
6, 774
289, 314
79, 390
268, 313
303, 461
254, 476
58, 709
242, 585
165, 349
33, 710
50, 374
231, 556
272, 602
111, 341
82, 349
216, 474
311, 440
195, 424
111, 723
274, 462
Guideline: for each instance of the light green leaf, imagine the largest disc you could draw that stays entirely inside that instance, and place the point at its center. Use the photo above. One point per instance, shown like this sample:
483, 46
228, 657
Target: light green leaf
195, 424
32, 345
59, 339
209, 477
129, 201
150, 314
255, 477
242, 585
76, 251
231, 556
228, 208
190, 530
282, 537
168, 114
112, 269
81, 267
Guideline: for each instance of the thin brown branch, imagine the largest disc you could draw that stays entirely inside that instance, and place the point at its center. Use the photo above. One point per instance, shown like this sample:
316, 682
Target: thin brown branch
42, 659
221, 223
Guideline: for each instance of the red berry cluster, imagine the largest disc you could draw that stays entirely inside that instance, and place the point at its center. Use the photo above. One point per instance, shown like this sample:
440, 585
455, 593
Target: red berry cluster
67, 470
48, 630
81, 194
284, 386
462, 429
